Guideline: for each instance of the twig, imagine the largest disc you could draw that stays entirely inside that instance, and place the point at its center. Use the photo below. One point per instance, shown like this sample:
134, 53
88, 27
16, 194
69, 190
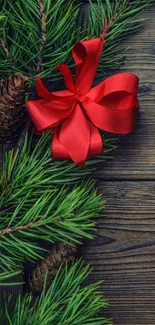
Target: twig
2, 44
7, 231
43, 33
113, 18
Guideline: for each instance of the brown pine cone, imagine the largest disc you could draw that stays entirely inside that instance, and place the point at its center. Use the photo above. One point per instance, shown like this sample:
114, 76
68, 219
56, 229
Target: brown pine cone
12, 106
60, 253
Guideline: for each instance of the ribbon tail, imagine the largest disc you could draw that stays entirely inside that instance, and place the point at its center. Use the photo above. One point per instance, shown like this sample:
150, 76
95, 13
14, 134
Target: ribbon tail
72, 139
96, 143
95, 148
58, 150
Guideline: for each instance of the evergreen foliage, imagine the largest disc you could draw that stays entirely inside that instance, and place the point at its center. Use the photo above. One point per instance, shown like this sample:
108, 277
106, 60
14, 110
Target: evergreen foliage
40, 201
36, 35
33, 206
65, 302
123, 21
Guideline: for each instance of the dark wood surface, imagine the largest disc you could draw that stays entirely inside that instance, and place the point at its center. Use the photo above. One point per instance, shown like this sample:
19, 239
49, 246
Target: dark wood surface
123, 254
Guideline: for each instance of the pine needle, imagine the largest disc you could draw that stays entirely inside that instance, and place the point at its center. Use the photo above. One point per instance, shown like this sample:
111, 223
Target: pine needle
67, 301
55, 215
37, 35
123, 21
36, 206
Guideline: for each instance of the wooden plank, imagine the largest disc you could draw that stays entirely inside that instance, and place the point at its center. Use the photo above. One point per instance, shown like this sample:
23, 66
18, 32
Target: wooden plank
135, 157
123, 254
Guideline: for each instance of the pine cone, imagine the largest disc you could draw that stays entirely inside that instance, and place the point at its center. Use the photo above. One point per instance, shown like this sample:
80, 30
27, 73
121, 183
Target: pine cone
60, 253
12, 106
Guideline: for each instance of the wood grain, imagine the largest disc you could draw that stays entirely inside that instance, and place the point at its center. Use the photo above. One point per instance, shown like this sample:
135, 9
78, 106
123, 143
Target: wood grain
135, 157
123, 254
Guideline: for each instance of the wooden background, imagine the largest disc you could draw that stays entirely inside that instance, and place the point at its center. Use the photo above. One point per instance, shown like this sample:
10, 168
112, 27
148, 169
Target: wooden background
123, 253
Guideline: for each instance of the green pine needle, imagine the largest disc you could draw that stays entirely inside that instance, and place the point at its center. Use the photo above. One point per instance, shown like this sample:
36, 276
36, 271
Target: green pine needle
34, 168
67, 301
51, 215
123, 21
36, 35
4, 276
35, 205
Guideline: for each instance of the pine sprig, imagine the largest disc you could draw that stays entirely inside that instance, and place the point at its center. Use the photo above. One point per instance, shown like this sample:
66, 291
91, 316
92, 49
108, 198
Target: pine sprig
40, 201
34, 169
35, 207
37, 35
123, 21
57, 215
65, 302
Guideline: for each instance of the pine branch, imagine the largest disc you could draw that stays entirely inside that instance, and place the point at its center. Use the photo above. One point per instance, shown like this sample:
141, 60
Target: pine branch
43, 33
2, 45
57, 215
38, 35
123, 21
24, 173
35, 206
67, 301
9, 231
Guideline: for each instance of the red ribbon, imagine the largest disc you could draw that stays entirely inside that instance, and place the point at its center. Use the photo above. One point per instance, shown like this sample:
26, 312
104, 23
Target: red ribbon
76, 114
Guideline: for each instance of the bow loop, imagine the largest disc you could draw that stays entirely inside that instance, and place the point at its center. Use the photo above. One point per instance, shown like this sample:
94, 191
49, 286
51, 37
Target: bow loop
115, 100
51, 109
74, 136
87, 56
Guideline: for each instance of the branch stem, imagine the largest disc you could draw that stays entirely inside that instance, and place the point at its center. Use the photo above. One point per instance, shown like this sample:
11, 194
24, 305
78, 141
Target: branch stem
10, 230
2, 44
43, 33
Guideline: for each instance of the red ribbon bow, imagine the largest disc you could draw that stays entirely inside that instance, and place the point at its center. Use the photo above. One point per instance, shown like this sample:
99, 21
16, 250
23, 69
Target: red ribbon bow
78, 112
